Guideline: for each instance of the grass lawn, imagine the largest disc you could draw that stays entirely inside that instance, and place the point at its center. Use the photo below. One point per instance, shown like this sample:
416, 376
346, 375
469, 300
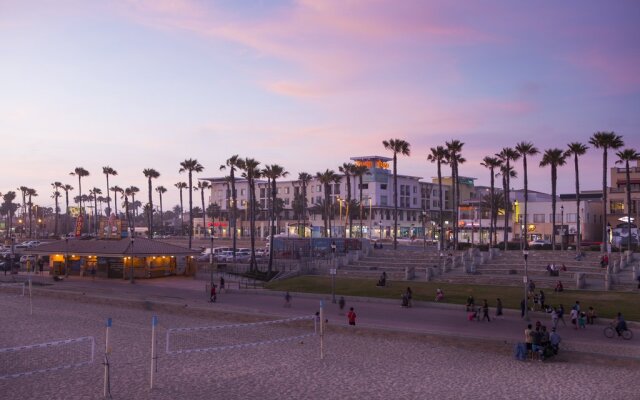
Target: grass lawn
606, 304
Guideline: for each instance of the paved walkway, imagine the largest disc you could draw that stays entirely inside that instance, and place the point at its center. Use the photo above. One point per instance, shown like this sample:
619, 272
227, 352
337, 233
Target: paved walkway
423, 317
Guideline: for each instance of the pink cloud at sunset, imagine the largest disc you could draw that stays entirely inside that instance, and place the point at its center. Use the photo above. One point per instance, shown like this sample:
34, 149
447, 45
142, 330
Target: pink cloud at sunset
309, 84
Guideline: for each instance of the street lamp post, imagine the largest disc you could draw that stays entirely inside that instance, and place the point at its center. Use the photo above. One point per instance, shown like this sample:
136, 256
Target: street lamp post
131, 279
370, 216
562, 227
525, 253
66, 256
211, 255
424, 231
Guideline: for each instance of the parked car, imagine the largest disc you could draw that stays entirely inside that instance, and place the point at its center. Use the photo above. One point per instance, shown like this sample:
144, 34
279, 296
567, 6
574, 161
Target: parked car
539, 243
224, 255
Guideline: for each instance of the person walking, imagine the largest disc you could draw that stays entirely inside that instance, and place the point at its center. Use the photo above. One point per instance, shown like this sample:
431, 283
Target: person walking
561, 315
287, 300
498, 307
522, 306
212, 297
351, 316
485, 310
409, 296
221, 284
574, 318
341, 304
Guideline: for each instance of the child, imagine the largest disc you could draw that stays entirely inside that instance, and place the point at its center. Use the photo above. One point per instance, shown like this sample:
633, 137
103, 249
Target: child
581, 320
351, 316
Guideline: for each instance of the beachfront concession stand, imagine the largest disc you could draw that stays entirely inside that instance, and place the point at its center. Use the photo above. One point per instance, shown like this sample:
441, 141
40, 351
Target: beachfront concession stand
117, 258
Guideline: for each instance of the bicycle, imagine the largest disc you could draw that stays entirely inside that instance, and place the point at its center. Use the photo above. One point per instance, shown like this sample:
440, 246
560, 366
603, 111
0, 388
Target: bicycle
610, 331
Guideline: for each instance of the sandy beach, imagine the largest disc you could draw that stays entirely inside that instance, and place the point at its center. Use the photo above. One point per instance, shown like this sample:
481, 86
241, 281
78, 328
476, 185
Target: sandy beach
359, 363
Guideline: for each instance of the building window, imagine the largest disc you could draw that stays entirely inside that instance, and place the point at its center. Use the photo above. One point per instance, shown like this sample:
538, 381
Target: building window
538, 218
415, 201
286, 190
383, 186
286, 201
415, 189
364, 186
336, 188
242, 192
571, 217
262, 192
383, 200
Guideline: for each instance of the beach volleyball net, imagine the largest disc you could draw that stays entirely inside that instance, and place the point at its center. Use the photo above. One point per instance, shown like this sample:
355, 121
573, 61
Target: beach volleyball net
236, 336
13, 289
46, 357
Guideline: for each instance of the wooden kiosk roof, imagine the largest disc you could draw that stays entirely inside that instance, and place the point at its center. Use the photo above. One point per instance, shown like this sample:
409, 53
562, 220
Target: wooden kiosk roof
113, 248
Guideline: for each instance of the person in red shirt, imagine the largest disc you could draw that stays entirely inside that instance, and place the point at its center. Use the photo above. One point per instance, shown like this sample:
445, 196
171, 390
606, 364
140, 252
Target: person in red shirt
351, 316
213, 296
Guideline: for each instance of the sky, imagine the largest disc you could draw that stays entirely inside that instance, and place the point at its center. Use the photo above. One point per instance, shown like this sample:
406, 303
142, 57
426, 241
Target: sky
307, 84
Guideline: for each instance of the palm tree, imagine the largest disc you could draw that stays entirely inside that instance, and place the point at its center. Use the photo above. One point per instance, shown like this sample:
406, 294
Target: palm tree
161, 190
506, 175
454, 159
202, 186
577, 149
233, 163
130, 220
403, 147
80, 173
133, 190
347, 170
605, 141
23, 190
326, 178
181, 186
625, 156
491, 163
56, 195
8, 208
150, 174
358, 171
251, 173
553, 158
190, 166
304, 179
95, 192
116, 189
66, 189
439, 156
506, 156
273, 172
31, 193
526, 149
109, 171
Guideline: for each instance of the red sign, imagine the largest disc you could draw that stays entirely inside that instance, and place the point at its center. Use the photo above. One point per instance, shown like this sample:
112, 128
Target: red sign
218, 224
79, 225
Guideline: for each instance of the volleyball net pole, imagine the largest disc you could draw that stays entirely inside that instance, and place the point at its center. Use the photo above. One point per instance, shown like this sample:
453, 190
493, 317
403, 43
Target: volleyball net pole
107, 350
154, 323
321, 329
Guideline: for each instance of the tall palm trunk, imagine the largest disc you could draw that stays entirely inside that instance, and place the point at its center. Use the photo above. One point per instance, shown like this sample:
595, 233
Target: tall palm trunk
190, 208
57, 215
441, 199
66, 215
161, 215
554, 179
523, 231
204, 211
578, 218
493, 202
628, 190
507, 205
252, 225
395, 201
604, 199
233, 218
115, 202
